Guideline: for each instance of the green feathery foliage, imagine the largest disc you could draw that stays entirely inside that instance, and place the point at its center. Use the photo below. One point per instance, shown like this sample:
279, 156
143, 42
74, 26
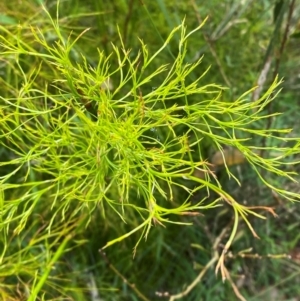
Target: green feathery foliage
79, 138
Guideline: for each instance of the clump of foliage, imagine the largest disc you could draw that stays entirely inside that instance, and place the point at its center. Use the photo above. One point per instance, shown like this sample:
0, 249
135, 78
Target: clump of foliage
116, 143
